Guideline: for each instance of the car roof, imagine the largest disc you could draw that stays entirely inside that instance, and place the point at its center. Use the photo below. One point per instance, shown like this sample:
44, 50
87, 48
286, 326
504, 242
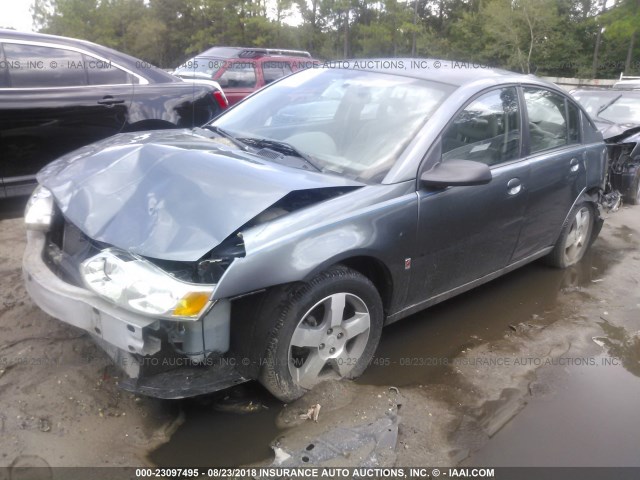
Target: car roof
452, 72
252, 52
154, 74
608, 91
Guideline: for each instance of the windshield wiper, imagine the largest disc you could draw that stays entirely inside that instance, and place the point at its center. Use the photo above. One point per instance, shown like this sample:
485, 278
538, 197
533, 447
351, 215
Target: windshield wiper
608, 104
225, 134
278, 146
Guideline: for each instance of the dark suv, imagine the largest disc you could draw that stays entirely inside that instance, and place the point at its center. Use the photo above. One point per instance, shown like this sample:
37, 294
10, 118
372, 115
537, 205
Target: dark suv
241, 71
58, 94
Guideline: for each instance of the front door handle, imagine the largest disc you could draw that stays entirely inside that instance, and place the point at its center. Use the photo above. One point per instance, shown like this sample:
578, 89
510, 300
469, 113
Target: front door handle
108, 100
574, 164
514, 186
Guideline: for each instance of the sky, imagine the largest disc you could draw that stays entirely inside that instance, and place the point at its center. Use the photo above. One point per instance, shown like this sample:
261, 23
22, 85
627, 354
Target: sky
15, 14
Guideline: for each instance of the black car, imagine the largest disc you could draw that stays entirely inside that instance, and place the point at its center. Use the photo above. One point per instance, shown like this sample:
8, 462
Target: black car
616, 113
58, 94
253, 249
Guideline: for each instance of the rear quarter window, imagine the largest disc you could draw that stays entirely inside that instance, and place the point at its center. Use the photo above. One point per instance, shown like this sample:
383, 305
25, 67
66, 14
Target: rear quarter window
104, 73
574, 123
4, 70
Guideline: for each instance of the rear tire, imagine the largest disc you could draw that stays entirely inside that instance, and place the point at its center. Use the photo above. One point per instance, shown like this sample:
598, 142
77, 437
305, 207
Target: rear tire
328, 328
575, 237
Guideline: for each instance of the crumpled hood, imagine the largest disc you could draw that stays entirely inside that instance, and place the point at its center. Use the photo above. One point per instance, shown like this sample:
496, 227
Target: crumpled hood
170, 195
616, 131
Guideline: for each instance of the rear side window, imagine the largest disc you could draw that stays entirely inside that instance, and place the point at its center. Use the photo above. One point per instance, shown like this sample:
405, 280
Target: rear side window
35, 66
547, 123
100, 72
487, 130
274, 70
574, 123
239, 75
4, 70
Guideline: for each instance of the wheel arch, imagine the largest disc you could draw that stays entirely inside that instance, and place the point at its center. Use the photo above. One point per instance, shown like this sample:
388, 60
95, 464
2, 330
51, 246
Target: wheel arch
593, 196
249, 336
371, 267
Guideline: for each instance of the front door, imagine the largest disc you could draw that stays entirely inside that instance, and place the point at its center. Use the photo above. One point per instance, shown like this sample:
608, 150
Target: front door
468, 232
50, 108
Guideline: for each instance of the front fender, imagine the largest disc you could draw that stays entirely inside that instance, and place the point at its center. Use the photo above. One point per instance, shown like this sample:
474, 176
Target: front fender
376, 221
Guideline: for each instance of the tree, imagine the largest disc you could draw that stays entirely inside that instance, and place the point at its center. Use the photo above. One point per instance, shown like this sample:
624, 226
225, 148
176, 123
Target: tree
623, 24
518, 28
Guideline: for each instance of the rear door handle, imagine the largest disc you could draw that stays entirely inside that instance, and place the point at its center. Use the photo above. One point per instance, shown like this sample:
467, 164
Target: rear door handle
574, 164
108, 100
514, 186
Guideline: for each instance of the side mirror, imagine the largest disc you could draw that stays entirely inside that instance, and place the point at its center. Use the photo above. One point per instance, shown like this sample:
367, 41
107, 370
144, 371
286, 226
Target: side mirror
456, 173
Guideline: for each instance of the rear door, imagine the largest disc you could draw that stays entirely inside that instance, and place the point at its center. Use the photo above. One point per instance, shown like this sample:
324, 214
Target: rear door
558, 170
48, 107
468, 232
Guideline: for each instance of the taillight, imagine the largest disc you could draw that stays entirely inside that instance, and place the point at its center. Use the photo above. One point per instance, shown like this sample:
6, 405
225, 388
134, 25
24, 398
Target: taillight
221, 99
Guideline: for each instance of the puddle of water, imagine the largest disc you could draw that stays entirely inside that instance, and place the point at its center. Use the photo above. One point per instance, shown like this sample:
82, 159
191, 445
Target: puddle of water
590, 420
211, 438
416, 349
627, 234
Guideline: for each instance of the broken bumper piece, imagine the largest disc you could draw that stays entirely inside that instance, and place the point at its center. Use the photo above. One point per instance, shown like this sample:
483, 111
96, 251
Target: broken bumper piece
161, 359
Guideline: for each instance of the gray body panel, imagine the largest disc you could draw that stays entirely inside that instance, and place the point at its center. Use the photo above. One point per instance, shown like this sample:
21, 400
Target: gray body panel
376, 221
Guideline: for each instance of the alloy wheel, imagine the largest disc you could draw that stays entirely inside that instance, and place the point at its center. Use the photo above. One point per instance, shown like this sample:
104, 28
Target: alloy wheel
577, 238
329, 339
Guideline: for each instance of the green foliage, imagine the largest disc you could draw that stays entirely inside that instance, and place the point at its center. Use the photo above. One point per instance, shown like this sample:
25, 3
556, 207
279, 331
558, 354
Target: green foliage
547, 37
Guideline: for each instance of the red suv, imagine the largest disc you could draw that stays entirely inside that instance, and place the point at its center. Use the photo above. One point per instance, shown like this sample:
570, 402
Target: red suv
242, 71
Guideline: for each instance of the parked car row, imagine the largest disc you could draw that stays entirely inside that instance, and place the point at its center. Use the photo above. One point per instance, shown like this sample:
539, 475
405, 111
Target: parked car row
242, 71
274, 240
58, 94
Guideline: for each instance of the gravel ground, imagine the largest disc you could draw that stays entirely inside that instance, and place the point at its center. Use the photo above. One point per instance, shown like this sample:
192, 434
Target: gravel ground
60, 404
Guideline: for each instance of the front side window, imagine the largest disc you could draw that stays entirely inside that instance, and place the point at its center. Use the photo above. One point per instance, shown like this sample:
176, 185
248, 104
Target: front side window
239, 75
348, 122
34, 66
487, 130
547, 122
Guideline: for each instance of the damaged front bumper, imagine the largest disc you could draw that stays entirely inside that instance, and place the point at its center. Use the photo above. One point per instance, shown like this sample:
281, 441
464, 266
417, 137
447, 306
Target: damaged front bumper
160, 358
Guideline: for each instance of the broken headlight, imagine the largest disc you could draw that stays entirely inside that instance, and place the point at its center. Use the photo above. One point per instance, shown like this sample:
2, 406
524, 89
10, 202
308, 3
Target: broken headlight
213, 265
136, 284
39, 210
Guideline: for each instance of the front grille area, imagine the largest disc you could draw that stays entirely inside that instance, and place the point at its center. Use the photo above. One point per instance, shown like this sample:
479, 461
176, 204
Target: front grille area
66, 248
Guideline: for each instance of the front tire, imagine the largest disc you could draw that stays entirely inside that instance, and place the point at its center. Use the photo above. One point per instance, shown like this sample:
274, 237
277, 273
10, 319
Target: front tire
328, 328
575, 237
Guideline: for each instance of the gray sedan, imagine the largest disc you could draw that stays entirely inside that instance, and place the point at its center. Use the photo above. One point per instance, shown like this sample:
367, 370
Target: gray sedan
259, 249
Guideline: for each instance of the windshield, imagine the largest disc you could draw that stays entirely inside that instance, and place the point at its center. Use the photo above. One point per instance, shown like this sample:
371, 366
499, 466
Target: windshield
352, 123
203, 67
623, 107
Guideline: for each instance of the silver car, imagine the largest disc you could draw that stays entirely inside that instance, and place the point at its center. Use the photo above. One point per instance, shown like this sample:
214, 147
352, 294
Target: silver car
259, 249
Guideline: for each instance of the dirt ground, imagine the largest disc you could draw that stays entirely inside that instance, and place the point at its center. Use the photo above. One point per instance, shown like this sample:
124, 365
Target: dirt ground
446, 381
